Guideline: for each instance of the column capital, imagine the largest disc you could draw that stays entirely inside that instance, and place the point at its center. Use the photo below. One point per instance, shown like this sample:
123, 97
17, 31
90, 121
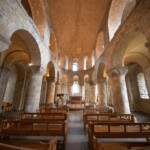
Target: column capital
101, 80
4, 69
92, 83
117, 72
36, 70
123, 70
50, 79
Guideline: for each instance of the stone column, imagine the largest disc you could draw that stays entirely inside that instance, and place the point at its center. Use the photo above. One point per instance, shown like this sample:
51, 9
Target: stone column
119, 90
33, 91
147, 70
69, 89
81, 84
147, 79
50, 90
23, 92
10, 88
87, 92
43, 92
102, 98
57, 90
92, 96
4, 75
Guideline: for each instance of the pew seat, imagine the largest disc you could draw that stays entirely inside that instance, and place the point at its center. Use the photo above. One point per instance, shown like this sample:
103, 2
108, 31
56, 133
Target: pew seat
107, 117
118, 130
28, 145
44, 116
122, 145
34, 128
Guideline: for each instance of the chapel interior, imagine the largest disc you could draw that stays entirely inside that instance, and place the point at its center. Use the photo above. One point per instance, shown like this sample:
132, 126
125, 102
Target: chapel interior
75, 74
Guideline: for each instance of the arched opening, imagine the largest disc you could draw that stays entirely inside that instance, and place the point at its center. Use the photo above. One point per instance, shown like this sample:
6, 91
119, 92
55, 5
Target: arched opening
14, 88
133, 54
93, 58
142, 86
17, 59
103, 87
75, 86
48, 88
25, 41
75, 65
137, 87
132, 49
85, 63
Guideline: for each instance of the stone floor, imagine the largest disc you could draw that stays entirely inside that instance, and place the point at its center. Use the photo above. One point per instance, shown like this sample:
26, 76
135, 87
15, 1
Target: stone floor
76, 138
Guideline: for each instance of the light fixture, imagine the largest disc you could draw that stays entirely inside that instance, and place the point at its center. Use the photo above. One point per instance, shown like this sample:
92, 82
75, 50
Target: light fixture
30, 64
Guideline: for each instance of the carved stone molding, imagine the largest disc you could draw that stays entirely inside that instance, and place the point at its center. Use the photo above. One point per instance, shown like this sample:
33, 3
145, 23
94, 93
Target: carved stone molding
117, 72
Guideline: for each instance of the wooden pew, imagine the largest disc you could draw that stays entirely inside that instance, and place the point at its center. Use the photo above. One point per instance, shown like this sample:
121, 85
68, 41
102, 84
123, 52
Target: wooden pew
34, 128
104, 117
28, 145
97, 110
121, 145
118, 130
44, 116
54, 110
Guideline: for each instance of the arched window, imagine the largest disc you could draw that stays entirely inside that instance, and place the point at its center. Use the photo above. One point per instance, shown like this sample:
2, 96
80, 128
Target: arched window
85, 63
75, 66
75, 89
142, 86
93, 58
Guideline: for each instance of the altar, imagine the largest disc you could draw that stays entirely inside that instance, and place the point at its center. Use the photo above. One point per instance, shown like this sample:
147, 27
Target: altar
75, 102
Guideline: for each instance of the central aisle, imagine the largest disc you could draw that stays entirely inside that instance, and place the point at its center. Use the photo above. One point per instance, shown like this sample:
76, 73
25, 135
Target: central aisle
76, 139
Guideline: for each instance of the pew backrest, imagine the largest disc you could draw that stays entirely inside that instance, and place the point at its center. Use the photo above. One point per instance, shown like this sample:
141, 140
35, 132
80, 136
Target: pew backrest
44, 116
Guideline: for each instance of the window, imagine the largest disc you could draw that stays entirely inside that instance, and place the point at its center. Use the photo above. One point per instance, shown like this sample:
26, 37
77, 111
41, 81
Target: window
75, 66
85, 63
142, 86
75, 88
93, 59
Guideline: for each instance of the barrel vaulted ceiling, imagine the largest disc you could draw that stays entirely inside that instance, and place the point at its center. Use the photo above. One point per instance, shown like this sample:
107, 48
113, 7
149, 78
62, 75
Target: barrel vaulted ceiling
76, 24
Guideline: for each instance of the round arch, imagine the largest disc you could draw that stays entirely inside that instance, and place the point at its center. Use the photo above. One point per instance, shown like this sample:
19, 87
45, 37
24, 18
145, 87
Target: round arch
15, 56
101, 70
23, 37
131, 46
50, 72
